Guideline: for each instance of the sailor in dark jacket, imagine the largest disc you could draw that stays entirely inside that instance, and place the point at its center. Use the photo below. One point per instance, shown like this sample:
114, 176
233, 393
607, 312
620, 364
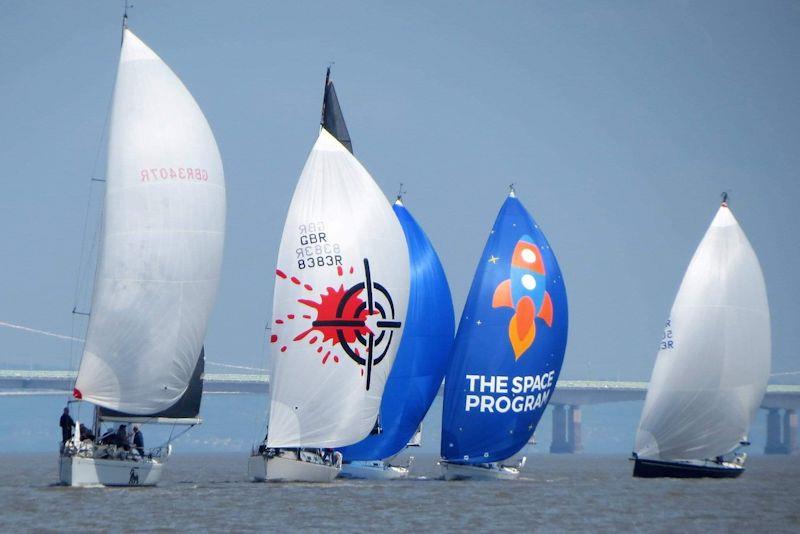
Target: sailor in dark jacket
121, 438
138, 440
67, 424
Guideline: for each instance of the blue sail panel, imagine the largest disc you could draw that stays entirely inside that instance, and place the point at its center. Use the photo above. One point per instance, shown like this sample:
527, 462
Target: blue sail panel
510, 344
423, 355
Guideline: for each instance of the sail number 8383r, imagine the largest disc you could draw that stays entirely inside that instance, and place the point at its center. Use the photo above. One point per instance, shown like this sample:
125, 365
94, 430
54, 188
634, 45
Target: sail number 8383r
315, 250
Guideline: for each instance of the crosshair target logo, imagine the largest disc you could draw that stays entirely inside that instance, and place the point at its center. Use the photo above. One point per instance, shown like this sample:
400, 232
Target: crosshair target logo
379, 302
361, 319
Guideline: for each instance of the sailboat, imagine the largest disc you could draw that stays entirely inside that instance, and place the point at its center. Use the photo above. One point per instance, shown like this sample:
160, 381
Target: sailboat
419, 368
157, 272
713, 364
508, 351
339, 309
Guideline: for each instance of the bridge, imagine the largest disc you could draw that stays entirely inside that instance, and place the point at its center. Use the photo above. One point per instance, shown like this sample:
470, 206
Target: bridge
780, 401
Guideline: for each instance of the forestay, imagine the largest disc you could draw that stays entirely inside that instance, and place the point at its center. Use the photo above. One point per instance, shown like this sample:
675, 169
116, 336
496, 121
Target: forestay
161, 251
712, 368
341, 293
510, 344
422, 359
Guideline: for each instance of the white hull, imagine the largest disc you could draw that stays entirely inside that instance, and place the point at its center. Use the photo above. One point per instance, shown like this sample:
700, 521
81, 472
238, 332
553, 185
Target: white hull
283, 468
79, 471
376, 470
478, 472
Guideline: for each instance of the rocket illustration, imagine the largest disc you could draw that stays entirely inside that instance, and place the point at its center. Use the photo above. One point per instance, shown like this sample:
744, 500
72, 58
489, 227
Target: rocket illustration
525, 291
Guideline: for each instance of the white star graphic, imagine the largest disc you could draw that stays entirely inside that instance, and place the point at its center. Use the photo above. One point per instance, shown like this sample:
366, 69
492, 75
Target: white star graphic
493, 259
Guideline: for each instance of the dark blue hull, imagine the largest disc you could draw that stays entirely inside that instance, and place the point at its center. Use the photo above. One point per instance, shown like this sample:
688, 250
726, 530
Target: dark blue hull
661, 469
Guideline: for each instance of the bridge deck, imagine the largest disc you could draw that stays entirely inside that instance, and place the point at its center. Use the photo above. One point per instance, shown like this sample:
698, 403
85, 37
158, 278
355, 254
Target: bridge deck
571, 392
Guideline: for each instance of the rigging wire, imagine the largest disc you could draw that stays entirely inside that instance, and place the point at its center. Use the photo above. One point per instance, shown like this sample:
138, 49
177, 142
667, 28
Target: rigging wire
37, 331
171, 438
84, 258
231, 366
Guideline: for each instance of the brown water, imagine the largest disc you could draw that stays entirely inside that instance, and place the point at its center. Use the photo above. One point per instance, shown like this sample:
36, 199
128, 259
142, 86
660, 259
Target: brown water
576, 493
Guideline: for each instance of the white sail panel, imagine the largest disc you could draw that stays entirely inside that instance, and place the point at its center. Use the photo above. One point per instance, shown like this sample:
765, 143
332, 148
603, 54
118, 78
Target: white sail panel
341, 286
161, 250
712, 369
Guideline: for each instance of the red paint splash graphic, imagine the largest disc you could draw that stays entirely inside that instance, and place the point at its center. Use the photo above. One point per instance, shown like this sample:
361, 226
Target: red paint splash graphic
326, 313
351, 322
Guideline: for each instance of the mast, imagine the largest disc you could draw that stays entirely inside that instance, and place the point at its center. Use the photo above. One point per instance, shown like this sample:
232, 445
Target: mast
124, 20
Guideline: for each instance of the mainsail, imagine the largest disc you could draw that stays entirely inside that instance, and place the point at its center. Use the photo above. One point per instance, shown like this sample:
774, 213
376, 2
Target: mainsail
423, 355
712, 368
341, 292
332, 118
510, 344
186, 409
161, 251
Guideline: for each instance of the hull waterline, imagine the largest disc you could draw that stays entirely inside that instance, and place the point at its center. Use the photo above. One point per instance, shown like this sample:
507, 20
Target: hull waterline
377, 470
644, 468
452, 471
261, 468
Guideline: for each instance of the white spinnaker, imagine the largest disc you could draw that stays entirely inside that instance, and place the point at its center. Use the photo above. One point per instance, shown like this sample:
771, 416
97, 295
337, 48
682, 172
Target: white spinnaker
163, 233
316, 404
706, 389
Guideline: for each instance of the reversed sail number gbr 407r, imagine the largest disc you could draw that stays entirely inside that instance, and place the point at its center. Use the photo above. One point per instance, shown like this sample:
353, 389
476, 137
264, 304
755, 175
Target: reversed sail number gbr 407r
159, 174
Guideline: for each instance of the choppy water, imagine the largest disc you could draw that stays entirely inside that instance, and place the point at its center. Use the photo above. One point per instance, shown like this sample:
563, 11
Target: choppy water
557, 493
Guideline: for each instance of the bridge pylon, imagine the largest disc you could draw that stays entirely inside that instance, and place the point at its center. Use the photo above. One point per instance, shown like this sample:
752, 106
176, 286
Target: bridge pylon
567, 438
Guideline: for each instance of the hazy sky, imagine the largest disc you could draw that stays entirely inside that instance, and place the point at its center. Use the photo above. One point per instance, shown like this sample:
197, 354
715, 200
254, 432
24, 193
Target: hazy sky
620, 122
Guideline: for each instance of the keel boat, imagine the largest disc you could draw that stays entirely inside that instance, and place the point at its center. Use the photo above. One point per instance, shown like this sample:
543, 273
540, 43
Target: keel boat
339, 310
713, 364
157, 273
421, 361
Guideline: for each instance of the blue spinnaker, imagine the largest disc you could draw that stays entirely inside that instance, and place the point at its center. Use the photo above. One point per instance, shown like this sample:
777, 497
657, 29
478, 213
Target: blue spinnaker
423, 355
510, 344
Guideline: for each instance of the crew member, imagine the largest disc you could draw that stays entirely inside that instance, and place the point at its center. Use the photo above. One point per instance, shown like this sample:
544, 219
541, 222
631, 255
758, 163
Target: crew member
67, 425
138, 440
86, 433
122, 438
